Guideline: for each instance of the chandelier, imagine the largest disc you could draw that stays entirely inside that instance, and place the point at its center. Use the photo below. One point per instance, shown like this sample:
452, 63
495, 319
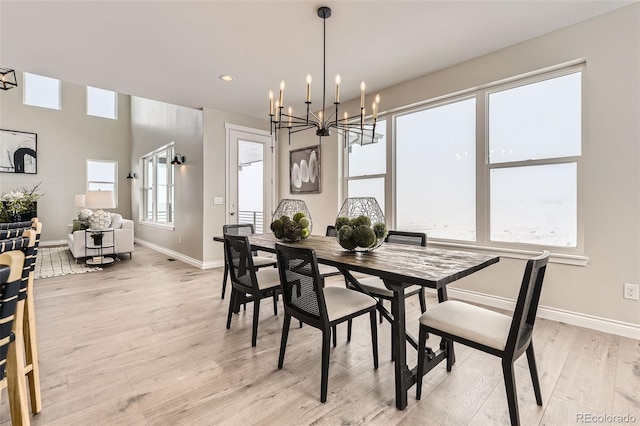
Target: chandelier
8, 79
352, 128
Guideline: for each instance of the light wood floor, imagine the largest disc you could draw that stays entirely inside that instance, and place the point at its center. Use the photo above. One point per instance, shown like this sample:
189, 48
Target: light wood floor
144, 343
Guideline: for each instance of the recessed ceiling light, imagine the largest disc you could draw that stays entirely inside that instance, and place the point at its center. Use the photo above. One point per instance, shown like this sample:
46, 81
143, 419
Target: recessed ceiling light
225, 78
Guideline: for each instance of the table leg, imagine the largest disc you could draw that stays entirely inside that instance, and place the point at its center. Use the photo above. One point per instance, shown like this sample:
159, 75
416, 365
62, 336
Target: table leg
399, 332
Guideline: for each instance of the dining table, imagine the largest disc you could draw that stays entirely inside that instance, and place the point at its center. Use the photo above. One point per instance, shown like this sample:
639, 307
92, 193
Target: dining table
399, 266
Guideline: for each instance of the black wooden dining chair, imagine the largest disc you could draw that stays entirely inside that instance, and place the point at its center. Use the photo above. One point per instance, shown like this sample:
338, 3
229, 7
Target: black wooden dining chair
306, 299
258, 261
247, 283
375, 286
492, 332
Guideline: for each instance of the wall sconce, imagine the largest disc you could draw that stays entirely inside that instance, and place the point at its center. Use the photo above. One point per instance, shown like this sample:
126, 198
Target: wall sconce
132, 175
8, 79
179, 159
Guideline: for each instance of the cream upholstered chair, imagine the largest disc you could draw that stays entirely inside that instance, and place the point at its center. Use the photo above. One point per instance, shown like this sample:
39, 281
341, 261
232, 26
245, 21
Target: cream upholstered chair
247, 283
258, 261
306, 299
498, 334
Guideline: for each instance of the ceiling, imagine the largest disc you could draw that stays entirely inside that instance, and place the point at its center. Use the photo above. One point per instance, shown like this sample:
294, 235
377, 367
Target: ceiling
174, 51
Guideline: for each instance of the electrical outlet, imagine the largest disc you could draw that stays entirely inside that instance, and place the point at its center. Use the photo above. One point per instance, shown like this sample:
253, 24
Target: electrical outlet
630, 291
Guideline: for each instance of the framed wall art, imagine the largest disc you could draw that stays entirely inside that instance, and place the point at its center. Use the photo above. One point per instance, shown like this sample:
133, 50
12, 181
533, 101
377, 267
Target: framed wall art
18, 152
304, 170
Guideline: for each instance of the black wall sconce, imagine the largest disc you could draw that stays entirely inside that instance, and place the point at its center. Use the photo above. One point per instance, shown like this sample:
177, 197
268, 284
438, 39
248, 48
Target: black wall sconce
179, 159
132, 175
8, 79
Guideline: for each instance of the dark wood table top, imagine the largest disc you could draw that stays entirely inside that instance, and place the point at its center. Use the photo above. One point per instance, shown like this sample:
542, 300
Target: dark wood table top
407, 264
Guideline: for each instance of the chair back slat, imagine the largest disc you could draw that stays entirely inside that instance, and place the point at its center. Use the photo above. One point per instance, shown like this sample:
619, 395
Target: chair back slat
11, 264
405, 237
240, 262
527, 303
25, 243
14, 225
301, 284
239, 229
331, 231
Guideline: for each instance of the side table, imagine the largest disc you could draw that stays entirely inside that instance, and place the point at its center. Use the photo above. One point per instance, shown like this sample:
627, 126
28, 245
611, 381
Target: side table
101, 259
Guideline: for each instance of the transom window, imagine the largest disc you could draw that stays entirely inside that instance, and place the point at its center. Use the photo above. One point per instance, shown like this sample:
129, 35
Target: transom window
41, 91
102, 103
158, 186
499, 166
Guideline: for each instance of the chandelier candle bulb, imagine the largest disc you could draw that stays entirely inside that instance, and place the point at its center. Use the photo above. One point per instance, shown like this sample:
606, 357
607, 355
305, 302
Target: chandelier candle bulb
378, 99
271, 102
308, 88
281, 93
374, 110
277, 109
290, 114
338, 88
362, 88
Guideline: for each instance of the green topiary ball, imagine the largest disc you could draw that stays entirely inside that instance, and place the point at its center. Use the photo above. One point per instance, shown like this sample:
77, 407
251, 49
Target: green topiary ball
364, 236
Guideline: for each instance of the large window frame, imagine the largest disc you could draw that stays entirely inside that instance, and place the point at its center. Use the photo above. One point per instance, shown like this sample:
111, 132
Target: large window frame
570, 255
158, 184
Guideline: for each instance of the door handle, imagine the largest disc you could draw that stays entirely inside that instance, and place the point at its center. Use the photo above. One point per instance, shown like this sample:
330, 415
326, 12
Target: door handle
232, 213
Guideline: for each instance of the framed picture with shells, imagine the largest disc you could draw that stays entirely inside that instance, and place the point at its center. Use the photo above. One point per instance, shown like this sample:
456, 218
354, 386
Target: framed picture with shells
304, 170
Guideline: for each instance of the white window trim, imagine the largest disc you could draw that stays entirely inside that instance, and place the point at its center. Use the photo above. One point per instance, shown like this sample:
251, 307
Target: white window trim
170, 149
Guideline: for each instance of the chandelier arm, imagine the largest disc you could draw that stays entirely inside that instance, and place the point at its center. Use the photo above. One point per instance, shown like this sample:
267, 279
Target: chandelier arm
302, 129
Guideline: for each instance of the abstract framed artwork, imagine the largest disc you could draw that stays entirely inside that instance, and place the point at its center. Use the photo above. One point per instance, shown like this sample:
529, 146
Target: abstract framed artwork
18, 152
304, 170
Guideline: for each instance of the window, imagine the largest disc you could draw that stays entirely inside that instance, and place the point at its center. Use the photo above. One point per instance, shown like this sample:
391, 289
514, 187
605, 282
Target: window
102, 103
101, 176
436, 173
158, 186
41, 91
498, 166
535, 142
366, 167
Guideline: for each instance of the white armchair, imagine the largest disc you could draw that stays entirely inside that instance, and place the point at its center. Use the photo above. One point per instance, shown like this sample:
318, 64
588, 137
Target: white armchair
122, 235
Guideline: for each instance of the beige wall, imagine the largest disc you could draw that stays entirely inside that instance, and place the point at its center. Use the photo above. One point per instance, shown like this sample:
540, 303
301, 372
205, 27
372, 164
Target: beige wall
610, 44
66, 139
155, 124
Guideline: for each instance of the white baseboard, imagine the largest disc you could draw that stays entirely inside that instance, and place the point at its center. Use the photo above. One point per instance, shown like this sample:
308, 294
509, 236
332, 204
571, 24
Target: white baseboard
619, 328
174, 254
53, 243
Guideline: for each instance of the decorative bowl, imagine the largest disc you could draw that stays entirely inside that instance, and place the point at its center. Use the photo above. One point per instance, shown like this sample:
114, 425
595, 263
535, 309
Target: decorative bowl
360, 225
291, 221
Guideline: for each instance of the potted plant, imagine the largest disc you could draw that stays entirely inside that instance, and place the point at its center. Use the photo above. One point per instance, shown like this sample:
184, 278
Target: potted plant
97, 237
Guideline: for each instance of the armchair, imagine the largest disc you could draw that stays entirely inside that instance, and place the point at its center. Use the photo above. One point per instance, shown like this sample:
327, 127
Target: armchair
122, 235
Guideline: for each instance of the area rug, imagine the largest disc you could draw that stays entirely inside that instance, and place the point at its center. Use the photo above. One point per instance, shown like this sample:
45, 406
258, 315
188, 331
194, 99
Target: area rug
56, 261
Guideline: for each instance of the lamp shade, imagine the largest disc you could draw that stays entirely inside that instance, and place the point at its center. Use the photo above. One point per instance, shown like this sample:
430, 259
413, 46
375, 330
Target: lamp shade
100, 200
78, 200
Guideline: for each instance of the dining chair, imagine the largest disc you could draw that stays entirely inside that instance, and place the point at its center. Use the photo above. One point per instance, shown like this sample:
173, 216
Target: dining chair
247, 283
12, 264
258, 261
306, 299
375, 286
506, 337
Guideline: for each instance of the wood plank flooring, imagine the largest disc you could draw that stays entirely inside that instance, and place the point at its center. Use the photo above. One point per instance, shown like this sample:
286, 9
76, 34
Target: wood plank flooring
143, 342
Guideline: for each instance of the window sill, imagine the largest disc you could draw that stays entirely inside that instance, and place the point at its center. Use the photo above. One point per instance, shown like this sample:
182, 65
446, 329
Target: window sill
167, 226
561, 258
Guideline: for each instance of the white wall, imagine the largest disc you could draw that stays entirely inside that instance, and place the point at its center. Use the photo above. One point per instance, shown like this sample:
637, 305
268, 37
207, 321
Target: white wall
610, 44
66, 139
